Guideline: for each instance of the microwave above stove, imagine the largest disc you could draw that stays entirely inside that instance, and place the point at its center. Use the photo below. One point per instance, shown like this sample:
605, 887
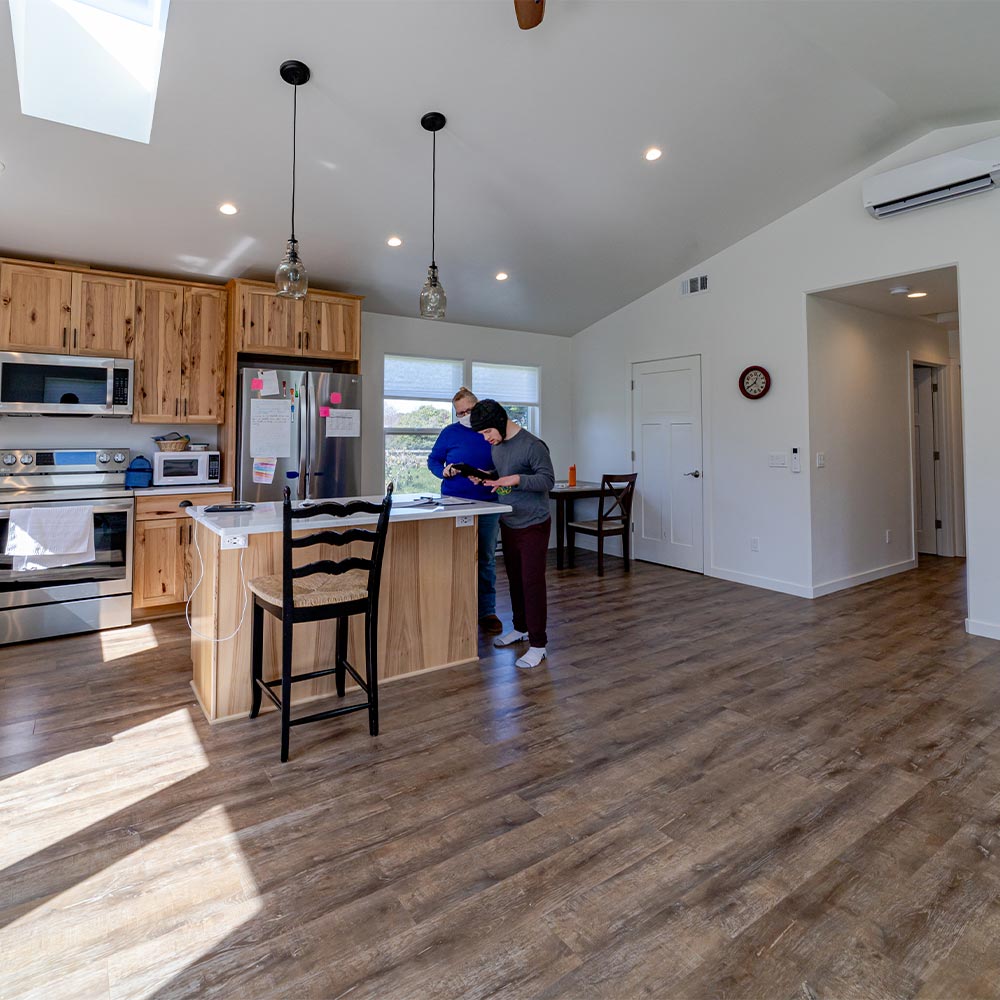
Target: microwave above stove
186, 468
67, 385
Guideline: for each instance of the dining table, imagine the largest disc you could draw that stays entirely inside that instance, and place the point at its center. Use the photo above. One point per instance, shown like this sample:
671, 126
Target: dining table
565, 496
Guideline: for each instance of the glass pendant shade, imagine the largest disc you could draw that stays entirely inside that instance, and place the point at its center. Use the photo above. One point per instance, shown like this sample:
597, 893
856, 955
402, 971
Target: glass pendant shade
291, 279
433, 301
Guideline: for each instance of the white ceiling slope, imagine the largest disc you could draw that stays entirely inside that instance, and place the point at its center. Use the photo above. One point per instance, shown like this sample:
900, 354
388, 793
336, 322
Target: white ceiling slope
759, 106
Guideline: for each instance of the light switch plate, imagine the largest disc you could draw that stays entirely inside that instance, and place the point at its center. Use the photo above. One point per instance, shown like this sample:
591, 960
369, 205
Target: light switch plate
777, 460
820, 459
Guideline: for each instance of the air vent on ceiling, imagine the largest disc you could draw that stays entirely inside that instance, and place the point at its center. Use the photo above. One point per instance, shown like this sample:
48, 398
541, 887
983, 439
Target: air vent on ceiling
699, 283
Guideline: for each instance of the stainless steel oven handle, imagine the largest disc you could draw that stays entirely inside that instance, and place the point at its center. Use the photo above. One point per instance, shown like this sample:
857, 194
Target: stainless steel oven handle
125, 507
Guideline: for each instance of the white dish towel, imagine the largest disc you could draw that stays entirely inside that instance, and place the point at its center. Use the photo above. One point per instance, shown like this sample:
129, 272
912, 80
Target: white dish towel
45, 537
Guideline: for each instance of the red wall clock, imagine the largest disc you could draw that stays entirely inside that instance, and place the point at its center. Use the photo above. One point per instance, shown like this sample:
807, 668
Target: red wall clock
755, 382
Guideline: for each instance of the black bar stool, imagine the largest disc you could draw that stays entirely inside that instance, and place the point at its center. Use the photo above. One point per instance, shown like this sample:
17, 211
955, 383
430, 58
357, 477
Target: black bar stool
329, 588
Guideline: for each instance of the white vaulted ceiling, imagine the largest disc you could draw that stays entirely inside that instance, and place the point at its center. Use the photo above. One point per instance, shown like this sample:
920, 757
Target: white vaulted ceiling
758, 108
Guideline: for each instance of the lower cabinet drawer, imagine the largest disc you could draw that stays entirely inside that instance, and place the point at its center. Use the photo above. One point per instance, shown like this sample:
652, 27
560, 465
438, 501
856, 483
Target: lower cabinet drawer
149, 508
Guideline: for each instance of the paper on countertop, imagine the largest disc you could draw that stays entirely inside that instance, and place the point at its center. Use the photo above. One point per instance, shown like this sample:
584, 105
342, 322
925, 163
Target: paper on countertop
343, 424
269, 383
263, 470
270, 428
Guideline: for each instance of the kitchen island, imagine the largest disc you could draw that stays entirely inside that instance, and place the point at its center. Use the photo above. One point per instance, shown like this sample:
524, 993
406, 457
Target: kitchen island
427, 605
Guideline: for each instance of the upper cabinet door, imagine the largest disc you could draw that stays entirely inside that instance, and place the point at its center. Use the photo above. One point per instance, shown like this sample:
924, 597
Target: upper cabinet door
103, 311
204, 355
333, 326
35, 309
268, 323
158, 347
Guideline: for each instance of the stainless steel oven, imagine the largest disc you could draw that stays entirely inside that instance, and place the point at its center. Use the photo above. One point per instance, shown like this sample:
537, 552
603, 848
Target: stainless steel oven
65, 384
80, 598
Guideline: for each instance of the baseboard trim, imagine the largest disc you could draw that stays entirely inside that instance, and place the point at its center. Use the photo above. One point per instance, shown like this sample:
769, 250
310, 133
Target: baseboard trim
764, 582
988, 630
846, 582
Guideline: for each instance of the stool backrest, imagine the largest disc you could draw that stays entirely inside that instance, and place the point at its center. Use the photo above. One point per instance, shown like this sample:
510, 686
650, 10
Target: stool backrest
616, 497
376, 536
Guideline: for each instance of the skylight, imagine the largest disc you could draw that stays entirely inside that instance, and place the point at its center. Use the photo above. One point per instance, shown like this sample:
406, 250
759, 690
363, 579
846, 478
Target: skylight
92, 64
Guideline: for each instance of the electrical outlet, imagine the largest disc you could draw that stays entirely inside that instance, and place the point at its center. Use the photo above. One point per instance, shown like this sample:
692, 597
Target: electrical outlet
234, 542
820, 459
888, 536
463, 521
755, 544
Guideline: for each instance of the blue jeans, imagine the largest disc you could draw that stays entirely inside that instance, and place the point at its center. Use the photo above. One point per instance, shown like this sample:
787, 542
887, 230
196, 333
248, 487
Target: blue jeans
489, 528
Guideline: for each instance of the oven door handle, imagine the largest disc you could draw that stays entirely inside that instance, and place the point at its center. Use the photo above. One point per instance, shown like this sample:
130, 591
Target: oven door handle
125, 507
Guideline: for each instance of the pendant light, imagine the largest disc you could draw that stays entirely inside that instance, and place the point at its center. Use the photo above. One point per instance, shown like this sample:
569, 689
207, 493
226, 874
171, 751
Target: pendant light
291, 279
432, 298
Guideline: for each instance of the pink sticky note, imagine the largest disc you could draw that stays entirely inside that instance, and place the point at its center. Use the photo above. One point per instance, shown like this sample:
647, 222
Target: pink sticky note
256, 383
335, 397
324, 411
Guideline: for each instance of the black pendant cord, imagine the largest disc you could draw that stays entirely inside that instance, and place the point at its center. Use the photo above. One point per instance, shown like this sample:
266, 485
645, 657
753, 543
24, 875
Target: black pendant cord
434, 163
295, 121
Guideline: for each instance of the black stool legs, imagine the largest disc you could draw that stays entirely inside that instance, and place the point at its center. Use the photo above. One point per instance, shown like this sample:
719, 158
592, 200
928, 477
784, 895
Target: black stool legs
286, 684
341, 654
257, 658
371, 671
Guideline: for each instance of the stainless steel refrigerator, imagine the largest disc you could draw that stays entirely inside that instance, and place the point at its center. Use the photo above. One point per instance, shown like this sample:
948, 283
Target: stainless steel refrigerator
307, 426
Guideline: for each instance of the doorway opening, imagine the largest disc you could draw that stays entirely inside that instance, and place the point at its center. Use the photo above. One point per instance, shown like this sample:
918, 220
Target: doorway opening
887, 475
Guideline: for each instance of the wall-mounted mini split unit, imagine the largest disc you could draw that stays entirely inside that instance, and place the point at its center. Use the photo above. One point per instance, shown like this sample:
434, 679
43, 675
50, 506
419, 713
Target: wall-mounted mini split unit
689, 286
969, 170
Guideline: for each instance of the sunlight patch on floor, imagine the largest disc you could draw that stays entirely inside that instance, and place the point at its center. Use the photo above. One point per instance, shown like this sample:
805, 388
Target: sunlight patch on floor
61, 798
147, 915
118, 643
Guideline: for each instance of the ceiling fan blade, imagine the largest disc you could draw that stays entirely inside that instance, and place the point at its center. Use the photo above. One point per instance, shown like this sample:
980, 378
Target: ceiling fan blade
529, 13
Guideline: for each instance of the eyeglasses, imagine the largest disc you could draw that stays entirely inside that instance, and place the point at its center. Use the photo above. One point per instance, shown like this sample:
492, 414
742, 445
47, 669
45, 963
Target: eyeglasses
462, 413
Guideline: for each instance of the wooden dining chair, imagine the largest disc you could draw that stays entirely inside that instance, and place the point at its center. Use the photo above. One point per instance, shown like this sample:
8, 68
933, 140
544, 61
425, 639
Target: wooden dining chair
327, 588
614, 517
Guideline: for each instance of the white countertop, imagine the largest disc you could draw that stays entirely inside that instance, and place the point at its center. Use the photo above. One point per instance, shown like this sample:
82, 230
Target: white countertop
266, 518
176, 491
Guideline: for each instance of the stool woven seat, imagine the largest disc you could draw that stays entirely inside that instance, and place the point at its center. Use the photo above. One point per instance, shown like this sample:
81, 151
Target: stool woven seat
314, 591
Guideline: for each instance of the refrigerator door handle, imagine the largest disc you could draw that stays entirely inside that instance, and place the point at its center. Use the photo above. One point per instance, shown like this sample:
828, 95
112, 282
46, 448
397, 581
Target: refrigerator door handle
305, 405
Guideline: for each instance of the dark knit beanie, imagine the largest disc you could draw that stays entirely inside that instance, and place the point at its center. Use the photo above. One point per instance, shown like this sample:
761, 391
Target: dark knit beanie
489, 413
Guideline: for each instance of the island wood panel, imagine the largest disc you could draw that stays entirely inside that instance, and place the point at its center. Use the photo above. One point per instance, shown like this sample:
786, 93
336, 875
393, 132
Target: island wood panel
103, 310
203, 606
35, 308
427, 612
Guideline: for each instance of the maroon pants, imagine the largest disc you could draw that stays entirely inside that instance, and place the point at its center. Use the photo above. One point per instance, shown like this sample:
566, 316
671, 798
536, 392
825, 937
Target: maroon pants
524, 554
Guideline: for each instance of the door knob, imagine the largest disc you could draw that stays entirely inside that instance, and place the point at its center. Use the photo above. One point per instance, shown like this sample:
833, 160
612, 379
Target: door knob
696, 474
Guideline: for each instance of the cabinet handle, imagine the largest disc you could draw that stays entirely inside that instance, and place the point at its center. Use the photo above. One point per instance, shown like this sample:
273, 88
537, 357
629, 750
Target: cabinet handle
177, 406
74, 338
307, 340
185, 407
64, 336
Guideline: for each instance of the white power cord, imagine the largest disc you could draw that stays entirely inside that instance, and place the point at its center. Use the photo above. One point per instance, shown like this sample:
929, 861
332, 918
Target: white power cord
194, 590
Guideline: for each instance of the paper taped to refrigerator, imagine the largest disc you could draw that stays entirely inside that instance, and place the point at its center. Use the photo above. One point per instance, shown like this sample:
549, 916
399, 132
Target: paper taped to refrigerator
343, 424
270, 428
263, 470
269, 383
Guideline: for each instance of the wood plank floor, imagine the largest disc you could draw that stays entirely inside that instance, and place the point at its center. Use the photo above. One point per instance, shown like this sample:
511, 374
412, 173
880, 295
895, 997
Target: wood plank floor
709, 791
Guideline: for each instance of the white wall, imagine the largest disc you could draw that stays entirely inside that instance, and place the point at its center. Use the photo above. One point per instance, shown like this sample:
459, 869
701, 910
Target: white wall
92, 432
383, 335
860, 378
756, 312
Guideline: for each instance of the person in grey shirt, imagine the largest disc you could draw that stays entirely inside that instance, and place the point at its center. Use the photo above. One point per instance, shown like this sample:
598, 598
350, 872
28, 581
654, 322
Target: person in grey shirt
524, 478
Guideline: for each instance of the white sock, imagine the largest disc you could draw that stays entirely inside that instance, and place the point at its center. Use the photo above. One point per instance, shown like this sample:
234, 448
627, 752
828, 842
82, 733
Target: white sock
509, 638
532, 658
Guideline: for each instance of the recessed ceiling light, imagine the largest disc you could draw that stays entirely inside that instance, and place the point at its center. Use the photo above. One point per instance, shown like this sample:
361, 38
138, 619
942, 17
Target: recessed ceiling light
228, 208
916, 295
653, 153
899, 290
394, 241
502, 276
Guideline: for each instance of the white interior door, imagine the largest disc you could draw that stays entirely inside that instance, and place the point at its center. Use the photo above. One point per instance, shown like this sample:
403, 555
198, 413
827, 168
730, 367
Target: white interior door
666, 436
925, 512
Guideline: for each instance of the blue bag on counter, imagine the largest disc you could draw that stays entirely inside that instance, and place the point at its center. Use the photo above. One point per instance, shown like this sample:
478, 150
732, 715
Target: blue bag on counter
139, 474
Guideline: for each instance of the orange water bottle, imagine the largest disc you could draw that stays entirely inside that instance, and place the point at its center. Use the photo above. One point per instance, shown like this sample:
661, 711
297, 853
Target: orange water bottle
572, 476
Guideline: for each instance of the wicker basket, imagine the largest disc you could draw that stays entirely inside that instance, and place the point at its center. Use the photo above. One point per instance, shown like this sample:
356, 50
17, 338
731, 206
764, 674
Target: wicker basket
180, 445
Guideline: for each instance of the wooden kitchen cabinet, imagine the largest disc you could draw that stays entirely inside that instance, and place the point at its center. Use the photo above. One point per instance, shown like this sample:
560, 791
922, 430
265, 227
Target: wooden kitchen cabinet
36, 306
180, 354
159, 565
268, 323
159, 316
166, 567
203, 356
51, 310
333, 326
103, 313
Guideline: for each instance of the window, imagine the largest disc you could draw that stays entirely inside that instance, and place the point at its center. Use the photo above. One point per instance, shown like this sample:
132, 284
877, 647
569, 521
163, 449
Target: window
416, 405
514, 386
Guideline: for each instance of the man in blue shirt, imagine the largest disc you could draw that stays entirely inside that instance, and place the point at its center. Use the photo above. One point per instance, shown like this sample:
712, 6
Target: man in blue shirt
459, 443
